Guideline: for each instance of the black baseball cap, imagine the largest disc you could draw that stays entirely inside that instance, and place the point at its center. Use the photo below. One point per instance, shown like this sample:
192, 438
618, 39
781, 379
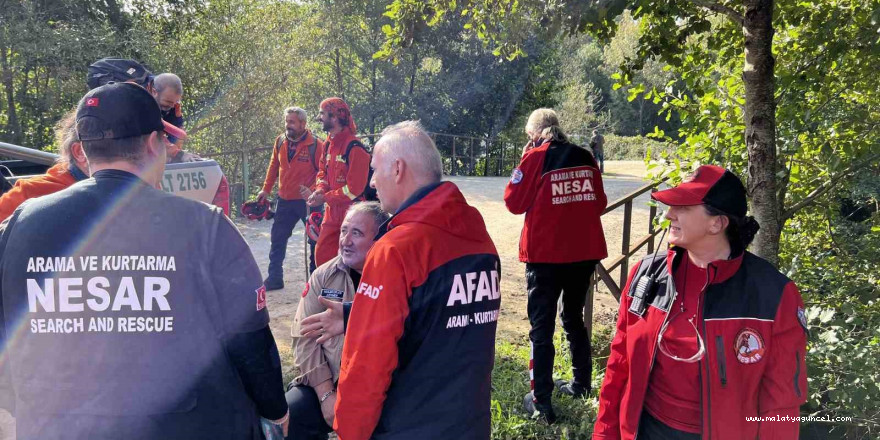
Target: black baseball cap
708, 185
108, 70
116, 111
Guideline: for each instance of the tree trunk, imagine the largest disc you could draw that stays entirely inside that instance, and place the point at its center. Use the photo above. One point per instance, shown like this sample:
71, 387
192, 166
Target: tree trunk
415, 69
373, 98
339, 86
760, 120
641, 117
13, 129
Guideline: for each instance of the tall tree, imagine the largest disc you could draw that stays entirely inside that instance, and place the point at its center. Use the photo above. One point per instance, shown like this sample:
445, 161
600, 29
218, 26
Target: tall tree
745, 32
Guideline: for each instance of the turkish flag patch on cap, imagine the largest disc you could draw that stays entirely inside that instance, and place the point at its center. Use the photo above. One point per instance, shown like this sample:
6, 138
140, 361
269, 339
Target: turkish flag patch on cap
261, 298
92, 102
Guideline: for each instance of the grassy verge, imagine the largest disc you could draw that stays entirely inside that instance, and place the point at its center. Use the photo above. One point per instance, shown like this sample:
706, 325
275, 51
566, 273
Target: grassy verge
510, 382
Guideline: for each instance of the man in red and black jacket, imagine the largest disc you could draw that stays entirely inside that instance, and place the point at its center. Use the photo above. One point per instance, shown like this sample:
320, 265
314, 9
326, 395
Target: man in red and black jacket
559, 188
420, 342
343, 174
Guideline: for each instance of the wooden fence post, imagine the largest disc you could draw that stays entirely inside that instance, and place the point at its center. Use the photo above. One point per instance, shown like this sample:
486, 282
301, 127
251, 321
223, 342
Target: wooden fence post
627, 225
454, 160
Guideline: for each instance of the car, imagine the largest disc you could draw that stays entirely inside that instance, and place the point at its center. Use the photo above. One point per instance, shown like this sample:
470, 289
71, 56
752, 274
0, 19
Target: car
201, 180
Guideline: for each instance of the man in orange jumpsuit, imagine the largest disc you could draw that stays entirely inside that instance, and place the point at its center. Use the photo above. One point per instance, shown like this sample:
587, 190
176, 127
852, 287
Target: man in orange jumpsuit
342, 174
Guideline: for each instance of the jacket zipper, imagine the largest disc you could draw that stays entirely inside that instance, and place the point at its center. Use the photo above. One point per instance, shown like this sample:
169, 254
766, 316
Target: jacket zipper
722, 363
797, 373
654, 352
707, 430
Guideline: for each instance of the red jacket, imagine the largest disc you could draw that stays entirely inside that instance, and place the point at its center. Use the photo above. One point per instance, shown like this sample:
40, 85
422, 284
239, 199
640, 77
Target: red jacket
56, 178
342, 178
753, 326
559, 187
420, 343
301, 170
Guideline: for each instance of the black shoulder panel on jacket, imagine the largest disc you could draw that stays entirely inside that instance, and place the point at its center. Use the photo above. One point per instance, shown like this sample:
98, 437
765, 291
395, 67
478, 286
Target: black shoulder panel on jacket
753, 292
565, 155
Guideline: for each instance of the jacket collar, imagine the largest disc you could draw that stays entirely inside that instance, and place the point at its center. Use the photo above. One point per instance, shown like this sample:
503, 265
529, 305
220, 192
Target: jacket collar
340, 266
120, 175
76, 173
411, 200
719, 271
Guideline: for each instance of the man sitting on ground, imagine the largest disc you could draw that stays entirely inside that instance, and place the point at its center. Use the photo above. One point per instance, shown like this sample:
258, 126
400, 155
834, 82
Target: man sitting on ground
318, 363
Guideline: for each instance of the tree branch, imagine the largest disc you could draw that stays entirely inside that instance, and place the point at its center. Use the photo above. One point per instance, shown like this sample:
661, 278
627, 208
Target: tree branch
721, 9
825, 187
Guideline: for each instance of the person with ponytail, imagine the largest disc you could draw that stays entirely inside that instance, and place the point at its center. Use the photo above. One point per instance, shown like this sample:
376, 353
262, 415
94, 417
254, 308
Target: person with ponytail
711, 339
559, 188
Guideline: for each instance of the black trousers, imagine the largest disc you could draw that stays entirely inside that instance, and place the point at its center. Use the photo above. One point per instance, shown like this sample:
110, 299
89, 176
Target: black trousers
306, 420
287, 214
653, 429
545, 283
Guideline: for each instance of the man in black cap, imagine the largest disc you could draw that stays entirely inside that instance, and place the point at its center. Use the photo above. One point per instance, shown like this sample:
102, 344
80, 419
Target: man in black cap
128, 323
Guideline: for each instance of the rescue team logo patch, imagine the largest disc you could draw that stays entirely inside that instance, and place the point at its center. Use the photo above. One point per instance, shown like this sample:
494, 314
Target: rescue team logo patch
802, 318
306, 290
261, 298
92, 102
749, 346
516, 176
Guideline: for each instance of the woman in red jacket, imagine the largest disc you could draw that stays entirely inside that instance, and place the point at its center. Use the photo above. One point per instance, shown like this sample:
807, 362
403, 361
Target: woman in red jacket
710, 338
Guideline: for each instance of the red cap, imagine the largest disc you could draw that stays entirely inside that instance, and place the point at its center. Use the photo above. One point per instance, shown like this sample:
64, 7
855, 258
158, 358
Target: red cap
710, 185
173, 130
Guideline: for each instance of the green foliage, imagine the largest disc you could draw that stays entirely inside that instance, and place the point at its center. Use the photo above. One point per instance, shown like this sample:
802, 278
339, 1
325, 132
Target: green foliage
836, 262
510, 383
44, 50
631, 147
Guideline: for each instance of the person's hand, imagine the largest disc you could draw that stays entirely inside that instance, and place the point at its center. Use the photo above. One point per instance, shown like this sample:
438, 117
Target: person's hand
190, 157
305, 192
529, 146
324, 325
262, 195
316, 199
327, 409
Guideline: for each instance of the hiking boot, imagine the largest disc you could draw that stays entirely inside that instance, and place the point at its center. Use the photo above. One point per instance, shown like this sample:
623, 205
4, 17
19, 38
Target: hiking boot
273, 284
544, 411
571, 389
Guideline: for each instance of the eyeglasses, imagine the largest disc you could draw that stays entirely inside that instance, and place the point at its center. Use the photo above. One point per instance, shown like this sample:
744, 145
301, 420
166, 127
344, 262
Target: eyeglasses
701, 350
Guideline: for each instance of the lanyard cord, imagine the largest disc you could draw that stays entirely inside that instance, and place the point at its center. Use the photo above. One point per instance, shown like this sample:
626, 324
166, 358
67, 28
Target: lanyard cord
701, 347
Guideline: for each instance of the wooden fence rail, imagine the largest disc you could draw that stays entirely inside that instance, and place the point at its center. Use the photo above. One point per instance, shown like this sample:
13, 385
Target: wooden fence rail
627, 250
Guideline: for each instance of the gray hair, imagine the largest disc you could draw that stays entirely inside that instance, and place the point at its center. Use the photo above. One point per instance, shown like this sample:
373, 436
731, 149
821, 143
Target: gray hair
409, 141
300, 113
545, 122
167, 80
371, 209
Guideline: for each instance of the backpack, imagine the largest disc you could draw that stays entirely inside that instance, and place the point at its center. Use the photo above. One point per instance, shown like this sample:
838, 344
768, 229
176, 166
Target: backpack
312, 149
369, 193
